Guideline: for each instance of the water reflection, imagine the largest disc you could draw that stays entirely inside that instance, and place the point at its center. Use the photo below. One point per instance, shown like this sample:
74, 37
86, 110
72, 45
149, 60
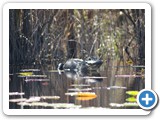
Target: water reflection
92, 88
88, 77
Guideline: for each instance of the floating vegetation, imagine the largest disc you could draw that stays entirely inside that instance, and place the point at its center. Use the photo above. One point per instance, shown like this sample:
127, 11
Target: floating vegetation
24, 103
116, 87
18, 100
133, 93
92, 77
108, 88
126, 104
33, 99
64, 105
139, 66
53, 105
34, 80
126, 76
50, 97
80, 85
92, 107
71, 93
116, 105
26, 70
15, 93
99, 88
82, 94
44, 76
131, 99
42, 104
86, 98
33, 104
134, 66
25, 73
129, 104
79, 89
86, 94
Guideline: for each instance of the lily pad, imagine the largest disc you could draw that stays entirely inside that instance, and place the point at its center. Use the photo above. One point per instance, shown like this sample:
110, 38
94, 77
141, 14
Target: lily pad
15, 93
25, 73
50, 97
85, 98
78, 85
18, 100
79, 89
64, 105
72, 93
33, 99
86, 94
129, 104
116, 105
26, 70
133, 93
131, 99
24, 103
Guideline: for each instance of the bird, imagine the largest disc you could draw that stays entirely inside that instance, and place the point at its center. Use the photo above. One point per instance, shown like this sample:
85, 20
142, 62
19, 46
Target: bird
93, 62
77, 69
75, 64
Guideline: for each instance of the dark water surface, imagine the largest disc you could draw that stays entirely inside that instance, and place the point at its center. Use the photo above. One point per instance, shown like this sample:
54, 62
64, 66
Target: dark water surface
110, 92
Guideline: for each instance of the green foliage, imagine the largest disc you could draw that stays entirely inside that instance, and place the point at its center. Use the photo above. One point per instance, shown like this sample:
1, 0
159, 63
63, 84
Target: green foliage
99, 32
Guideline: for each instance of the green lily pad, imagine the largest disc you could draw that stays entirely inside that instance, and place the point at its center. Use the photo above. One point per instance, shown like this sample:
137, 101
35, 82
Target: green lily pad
133, 93
131, 99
